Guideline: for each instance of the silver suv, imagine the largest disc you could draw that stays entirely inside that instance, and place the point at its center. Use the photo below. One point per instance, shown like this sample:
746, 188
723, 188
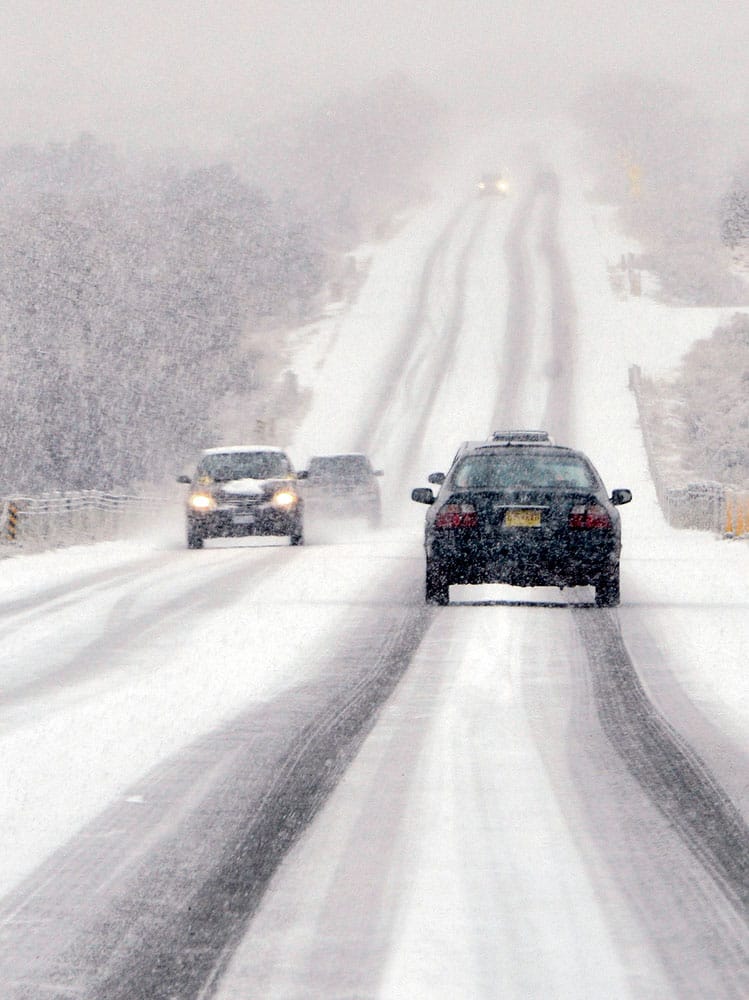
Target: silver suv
243, 490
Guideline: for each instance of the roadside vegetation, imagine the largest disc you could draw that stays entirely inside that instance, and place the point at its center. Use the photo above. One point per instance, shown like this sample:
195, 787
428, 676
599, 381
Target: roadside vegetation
130, 291
698, 417
680, 184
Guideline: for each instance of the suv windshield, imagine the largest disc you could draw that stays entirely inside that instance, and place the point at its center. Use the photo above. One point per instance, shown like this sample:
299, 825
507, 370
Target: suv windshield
508, 471
351, 468
244, 465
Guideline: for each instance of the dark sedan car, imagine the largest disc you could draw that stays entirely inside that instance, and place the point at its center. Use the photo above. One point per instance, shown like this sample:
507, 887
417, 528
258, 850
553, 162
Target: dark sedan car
527, 513
243, 490
343, 486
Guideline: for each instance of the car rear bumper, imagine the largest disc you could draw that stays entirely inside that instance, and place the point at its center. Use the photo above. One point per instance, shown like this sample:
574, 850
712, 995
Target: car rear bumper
526, 561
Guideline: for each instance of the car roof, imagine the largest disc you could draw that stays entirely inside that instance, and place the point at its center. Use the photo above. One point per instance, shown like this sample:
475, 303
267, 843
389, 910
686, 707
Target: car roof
499, 448
517, 436
239, 448
496, 448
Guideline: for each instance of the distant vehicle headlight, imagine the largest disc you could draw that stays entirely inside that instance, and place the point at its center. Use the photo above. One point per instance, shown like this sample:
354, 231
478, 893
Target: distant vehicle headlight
285, 499
201, 501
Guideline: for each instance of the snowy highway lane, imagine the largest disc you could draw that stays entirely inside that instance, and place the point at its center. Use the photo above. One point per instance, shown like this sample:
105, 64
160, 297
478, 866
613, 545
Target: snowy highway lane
469, 788
224, 810
266, 771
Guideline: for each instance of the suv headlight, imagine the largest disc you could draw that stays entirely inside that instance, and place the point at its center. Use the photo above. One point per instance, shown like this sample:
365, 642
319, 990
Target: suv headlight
201, 502
284, 499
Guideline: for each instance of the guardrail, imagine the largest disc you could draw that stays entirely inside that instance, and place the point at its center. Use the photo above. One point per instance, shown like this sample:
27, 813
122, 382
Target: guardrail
53, 520
698, 505
709, 507
706, 506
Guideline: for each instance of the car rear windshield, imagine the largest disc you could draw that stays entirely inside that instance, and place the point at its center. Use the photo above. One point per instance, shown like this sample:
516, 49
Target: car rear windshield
244, 465
511, 470
352, 468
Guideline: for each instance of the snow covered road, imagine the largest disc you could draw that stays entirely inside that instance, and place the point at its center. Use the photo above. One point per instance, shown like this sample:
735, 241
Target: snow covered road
263, 771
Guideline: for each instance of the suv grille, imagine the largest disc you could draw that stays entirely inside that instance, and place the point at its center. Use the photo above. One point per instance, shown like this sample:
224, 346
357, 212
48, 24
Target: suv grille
238, 501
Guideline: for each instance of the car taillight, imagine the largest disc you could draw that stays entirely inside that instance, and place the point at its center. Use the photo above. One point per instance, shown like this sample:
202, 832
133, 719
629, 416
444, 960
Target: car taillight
457, 515
591, 515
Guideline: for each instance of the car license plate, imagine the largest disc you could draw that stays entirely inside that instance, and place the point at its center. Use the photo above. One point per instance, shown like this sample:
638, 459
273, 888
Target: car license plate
522, 519
244, 519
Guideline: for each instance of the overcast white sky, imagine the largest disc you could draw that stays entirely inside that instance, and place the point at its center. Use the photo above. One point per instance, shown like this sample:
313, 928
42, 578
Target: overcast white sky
192, 72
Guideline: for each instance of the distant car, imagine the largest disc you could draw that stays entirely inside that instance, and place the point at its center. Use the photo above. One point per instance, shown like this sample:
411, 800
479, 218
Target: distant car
243, 490
493, 184
343, 485
525, 512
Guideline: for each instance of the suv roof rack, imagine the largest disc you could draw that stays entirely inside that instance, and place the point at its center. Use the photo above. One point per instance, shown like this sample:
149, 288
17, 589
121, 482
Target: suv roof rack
522, 437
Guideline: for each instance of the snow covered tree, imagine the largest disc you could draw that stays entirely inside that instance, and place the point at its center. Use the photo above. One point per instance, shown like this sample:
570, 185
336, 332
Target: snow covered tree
124, 297
714, 382
735, 224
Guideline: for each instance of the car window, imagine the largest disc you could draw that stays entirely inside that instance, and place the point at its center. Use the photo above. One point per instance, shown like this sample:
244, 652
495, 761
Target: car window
508, 471
244, 465
352, 468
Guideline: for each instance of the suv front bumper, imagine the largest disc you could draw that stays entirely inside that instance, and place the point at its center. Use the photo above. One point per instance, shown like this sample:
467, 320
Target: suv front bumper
259, 520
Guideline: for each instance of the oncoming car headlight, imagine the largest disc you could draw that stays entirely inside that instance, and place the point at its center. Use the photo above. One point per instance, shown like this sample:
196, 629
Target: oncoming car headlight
284, 498
201, 502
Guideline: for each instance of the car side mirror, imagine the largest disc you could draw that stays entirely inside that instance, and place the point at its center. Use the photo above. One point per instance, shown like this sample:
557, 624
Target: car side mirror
422, 494
618, 497
436, 477
184, 479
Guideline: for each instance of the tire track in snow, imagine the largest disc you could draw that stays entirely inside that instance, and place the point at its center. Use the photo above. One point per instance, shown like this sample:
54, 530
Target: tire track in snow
543, 198
677, 781
149, 902
562, 319
678, 846
70, 590
408, 342
519, 321
125, 628
420, 362
442, 348
173, 935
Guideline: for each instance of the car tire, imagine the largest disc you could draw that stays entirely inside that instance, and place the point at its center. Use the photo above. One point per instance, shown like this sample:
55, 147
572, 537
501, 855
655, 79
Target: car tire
437, 589
194, 538
607, 590
297, 536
